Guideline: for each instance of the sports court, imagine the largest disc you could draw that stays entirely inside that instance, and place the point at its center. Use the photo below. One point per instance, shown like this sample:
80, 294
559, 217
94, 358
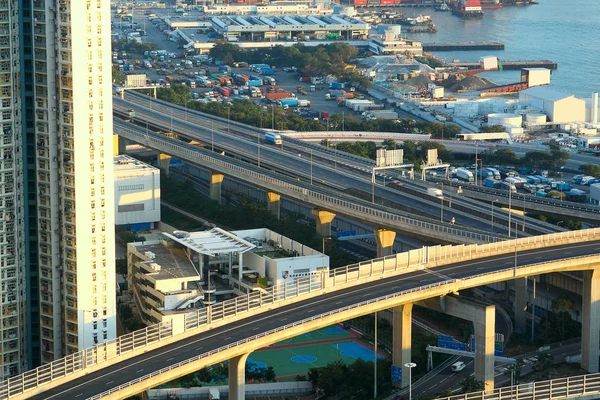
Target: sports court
297, 355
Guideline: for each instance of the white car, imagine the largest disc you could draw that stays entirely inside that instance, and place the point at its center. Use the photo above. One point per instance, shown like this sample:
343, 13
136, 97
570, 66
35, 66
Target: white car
458, 366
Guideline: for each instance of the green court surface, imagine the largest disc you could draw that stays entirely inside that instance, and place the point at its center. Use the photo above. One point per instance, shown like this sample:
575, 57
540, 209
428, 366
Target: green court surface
329, 333
303, 354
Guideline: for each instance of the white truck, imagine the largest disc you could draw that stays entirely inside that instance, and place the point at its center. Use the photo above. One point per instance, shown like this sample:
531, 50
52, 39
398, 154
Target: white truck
437, 193
214, 394
465, 175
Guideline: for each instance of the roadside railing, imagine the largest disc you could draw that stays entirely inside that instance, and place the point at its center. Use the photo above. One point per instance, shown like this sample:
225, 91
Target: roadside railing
242, 306
264, 334
383, 218
563, 388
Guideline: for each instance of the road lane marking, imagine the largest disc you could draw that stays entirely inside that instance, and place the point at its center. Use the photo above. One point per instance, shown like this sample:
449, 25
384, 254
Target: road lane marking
80, 394
169, 359
108, 383
402, 277
227, 338
199, 348
139, 370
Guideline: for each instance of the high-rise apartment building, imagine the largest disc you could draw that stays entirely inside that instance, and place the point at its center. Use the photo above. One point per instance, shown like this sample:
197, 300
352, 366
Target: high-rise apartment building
57, 256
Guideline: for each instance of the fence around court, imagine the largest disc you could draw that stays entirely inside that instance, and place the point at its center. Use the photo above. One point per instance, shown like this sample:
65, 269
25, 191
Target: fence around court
131, 344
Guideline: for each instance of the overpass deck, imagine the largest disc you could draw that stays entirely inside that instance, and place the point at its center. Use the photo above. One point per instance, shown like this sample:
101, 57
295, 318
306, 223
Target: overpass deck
210, 122
373, 214
244, 324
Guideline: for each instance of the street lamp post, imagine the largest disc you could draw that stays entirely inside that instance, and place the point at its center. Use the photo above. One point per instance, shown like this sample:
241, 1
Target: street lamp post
493, 201
258, 142
228, 112
442, 204
375, 361
311, 167
509, 206
410, 366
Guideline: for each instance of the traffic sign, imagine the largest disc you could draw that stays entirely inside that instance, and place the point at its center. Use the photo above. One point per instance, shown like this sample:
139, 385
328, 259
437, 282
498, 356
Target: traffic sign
345, 233
396, 374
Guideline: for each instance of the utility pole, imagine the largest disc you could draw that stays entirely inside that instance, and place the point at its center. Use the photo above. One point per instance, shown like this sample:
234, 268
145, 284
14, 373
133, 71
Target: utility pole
476, 162
375, 361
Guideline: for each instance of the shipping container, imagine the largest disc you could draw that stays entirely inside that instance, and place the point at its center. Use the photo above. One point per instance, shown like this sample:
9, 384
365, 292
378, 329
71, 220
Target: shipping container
277, 95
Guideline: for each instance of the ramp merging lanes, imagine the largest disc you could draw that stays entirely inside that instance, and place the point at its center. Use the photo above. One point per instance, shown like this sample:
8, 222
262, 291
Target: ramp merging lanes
200, 348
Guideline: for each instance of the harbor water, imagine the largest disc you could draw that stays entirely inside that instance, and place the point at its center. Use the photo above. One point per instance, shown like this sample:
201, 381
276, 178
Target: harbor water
564, 31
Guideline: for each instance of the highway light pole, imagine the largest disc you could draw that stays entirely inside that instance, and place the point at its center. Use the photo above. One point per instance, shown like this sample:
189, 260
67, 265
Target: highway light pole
442, 204
311, 167
171, 121
509, 206
375, 361
228, 112
258, 142
212, 137
410, 366
493, 201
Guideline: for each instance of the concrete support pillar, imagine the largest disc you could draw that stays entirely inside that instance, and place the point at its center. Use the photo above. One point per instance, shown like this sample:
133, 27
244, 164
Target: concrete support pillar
485, 325
590, 321
385, 242
483, 316
119, 145
237, 377
402, 339
215, 185
274, 204
323, 221
163, 162
520, 304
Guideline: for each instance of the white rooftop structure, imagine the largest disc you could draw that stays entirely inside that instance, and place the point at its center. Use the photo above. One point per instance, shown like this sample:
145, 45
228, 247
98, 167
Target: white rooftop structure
211, 243
546, 93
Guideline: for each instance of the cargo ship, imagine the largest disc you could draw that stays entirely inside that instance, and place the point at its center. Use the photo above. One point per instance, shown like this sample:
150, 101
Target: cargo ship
491, 4
468, 9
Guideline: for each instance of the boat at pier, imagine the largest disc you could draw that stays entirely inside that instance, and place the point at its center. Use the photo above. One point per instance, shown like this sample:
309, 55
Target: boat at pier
469, 9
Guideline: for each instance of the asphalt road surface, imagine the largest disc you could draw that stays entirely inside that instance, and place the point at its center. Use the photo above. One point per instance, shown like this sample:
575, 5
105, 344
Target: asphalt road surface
125, 371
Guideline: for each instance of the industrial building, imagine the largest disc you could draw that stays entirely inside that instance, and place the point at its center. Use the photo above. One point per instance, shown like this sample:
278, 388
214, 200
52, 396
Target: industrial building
137, 193
290, 27
280, 8
391, 42
57, 222
558, 106
181, 271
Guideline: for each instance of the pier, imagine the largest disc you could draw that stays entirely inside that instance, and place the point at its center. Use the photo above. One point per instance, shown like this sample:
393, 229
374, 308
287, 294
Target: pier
509, 65
463, 46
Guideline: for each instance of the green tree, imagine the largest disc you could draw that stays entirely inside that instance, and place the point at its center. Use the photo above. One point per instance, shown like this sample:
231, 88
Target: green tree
471, 384
513, 371
493, 128
543, 362
590, 169
117, 76
562, 307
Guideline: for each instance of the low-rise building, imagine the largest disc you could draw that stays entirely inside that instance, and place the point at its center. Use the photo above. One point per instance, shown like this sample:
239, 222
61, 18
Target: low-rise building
137, 193
183, 271
559, 107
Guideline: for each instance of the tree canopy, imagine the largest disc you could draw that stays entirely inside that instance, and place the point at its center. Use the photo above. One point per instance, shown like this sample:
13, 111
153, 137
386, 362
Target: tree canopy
590, 169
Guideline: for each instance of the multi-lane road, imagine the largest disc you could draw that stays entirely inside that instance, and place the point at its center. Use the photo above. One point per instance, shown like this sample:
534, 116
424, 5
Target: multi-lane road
125, 371
326, 166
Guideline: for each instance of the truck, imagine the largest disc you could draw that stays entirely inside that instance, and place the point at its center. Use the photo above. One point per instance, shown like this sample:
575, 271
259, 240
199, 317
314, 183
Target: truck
532, 180
240, 79
337, 85
266, 71
302, 91
214, 394
269, 80
437, 193
541, 193
561, 186
465, 175
254, 82
224, 91
274, 138
290, 102
303, 103
489, 182
380, 114
224, 68
576, 195
508, 186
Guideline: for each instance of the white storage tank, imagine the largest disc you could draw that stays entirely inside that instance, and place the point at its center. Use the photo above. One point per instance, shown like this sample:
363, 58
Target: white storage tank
535, 119
505, 119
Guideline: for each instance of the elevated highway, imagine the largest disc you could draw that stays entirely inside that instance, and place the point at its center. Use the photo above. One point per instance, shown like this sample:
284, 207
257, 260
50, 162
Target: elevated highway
328, 166
234, 328
300, 142
361, 210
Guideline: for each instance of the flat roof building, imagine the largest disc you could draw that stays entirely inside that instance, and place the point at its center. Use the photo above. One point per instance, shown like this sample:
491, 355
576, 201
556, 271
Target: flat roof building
137, 193
188, 270
559, 107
